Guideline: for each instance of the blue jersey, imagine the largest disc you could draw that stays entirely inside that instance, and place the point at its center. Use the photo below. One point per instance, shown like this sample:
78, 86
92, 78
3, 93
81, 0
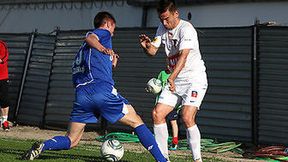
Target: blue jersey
91, 65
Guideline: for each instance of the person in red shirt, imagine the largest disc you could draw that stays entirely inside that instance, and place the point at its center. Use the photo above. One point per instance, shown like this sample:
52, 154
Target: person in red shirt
4, 99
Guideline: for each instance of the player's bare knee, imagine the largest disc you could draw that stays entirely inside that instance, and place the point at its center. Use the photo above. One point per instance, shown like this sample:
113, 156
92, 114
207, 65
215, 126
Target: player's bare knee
188, 121
137, 121
158, 117
132, 119
154, 115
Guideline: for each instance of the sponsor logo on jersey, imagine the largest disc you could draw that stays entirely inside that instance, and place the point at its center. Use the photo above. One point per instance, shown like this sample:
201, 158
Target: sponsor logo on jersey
194, 94
172, 61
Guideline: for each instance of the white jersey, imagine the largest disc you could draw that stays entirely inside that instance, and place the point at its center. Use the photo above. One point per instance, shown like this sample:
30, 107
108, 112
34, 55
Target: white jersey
184, 36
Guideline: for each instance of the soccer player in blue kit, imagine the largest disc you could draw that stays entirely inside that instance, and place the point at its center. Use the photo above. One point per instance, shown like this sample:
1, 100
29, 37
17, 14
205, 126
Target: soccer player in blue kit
95, 95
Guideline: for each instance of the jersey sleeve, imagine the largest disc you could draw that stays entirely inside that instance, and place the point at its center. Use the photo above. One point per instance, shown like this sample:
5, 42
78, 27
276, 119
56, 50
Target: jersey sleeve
99, 34
188, 38
3, 51
156, 42
163, 76
91, 32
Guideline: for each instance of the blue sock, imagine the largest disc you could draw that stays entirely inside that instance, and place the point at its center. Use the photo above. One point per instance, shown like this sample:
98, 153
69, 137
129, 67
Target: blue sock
57, 143
148, 141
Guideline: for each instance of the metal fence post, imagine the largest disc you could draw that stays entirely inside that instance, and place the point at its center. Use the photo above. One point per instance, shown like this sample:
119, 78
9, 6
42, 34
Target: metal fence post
47, 92
254, 89
27, 61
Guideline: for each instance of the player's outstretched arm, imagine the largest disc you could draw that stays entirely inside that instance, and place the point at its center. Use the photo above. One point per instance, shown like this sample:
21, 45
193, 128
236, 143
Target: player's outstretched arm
93, 41
147, 46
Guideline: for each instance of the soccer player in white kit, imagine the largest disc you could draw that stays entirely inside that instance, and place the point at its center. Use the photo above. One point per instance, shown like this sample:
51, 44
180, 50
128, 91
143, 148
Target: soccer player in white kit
188, 79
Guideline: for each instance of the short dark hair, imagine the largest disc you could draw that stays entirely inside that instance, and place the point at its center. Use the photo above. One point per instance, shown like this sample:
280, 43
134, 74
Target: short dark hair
101, 17
163, 6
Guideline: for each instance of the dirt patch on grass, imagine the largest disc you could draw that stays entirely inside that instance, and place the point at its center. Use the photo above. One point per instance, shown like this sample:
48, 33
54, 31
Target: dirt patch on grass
34, 133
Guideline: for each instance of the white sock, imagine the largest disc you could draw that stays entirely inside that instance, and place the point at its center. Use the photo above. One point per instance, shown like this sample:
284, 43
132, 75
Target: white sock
194, 139
161, 136
4, 118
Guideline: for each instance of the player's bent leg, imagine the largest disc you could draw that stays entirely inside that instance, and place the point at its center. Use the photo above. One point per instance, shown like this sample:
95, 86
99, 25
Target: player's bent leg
75, 132
71, 139
160, 126
189, 115
58, 142
192, 131
131, 118
144, 134
160, 112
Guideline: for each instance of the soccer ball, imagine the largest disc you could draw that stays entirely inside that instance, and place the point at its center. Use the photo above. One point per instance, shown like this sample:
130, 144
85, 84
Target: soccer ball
154, 86
112, 150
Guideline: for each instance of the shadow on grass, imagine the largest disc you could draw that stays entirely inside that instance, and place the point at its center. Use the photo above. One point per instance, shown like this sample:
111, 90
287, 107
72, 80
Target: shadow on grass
54, 155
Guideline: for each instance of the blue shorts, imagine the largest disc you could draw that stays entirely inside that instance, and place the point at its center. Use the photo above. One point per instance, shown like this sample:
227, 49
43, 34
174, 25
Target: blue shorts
95, 100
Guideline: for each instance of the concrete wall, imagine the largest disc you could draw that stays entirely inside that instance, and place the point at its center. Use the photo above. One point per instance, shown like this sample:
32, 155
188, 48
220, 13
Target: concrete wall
74, 16
67, 16
228, 15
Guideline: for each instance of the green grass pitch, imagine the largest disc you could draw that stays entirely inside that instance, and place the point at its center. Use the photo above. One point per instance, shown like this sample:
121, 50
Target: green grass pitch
11, 150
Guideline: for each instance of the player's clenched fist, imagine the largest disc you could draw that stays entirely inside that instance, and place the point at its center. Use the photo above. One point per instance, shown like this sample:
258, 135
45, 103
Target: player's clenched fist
171, 83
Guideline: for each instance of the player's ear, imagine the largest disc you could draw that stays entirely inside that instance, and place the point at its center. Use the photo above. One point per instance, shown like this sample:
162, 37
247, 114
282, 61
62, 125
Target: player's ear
176, 14
111, 25
108, 23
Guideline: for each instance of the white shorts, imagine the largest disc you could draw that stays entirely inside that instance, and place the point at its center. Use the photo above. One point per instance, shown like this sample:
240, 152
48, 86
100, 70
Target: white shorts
186, 93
